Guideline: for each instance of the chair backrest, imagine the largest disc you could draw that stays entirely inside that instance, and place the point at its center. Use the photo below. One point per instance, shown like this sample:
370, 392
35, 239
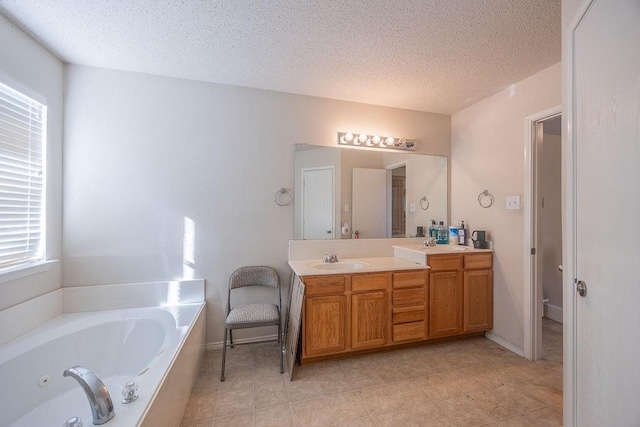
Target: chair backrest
254, 276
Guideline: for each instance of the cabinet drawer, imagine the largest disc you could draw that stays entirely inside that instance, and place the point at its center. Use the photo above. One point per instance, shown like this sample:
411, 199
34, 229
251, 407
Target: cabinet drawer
407, 297
408, 314
409, 331
478, 261
324, 285
368, 282
408, 279
448, 262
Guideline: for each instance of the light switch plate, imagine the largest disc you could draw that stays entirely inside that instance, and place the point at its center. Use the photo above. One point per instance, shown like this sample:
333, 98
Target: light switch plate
346, 207
513, 203
412, 207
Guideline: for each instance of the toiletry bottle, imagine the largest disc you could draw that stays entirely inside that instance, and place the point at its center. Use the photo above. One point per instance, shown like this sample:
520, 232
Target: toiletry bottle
462, 234
443, 234
453, 234
433, 229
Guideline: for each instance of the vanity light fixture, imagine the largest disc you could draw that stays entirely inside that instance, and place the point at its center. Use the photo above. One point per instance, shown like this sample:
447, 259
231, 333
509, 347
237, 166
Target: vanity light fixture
376, 141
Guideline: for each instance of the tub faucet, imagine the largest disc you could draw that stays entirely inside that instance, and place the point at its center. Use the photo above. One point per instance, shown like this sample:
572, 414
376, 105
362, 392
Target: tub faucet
96, 391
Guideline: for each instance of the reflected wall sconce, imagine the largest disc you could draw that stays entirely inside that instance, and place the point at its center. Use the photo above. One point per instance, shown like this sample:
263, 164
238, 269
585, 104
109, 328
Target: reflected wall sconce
375, 141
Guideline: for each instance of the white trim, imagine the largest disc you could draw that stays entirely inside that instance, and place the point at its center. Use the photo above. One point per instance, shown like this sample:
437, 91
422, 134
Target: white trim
218, 344
532, 314
24, 270
553, 312
504, 343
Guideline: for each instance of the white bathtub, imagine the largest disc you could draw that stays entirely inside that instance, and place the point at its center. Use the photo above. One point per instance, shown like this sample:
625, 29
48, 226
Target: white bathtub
141, 344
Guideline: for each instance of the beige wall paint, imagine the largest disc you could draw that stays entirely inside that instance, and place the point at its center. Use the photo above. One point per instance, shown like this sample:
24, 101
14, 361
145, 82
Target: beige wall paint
143, 153
552, 219
487, 152
27, 63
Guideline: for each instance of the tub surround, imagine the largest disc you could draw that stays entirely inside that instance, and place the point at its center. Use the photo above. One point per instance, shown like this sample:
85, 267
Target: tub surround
172, 371
28, 315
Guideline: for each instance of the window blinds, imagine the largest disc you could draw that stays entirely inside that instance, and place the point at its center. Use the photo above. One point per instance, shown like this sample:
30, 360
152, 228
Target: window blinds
22, 130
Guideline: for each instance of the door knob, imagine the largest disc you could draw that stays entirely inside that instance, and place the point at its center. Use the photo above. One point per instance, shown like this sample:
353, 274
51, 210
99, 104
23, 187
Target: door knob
581, 288
328, 231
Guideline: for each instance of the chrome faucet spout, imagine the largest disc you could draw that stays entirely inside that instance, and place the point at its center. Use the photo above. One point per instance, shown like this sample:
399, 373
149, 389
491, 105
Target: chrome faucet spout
96, 391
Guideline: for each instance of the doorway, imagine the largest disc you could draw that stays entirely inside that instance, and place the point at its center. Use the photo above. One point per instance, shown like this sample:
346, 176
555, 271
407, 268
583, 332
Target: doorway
398, 201
543, 236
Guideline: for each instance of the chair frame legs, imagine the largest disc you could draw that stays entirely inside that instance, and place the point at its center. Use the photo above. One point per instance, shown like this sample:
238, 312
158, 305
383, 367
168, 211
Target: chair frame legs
224, 349
224, 354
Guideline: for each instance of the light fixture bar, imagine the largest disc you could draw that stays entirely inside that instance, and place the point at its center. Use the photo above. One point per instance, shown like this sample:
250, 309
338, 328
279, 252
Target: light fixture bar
375, 141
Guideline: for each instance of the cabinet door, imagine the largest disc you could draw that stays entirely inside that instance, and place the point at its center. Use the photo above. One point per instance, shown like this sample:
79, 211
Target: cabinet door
478, 300
369, 313
324, 325
445, 304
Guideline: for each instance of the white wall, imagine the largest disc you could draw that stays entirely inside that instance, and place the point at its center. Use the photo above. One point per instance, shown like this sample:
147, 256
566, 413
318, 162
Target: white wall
487, 153
142, 153
552, 219
27, 63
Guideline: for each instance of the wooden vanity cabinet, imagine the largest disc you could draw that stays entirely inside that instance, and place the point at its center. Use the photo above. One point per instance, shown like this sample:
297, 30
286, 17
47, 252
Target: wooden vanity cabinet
345, 313
460, 294
325, 315
445, 295
369, 310
409, 305
478, 292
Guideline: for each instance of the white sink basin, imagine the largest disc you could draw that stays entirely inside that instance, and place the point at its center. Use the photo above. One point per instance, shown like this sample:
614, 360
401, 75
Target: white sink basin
340, 265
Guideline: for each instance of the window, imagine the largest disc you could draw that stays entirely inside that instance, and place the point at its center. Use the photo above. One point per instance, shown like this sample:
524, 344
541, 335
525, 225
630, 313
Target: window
22, 178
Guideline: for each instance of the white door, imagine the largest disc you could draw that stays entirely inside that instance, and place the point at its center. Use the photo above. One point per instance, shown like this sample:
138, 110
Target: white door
369, 202
317, 203
606, 121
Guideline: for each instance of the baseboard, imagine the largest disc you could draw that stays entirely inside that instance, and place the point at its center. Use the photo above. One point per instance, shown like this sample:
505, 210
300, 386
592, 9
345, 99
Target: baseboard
553, 312
503, 343
217, 345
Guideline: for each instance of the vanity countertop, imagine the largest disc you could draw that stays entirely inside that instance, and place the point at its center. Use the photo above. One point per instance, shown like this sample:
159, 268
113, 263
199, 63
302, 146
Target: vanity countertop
316, 267
418, 253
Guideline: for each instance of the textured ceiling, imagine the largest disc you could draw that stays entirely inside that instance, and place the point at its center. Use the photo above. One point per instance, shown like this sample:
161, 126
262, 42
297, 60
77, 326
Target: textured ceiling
426, 55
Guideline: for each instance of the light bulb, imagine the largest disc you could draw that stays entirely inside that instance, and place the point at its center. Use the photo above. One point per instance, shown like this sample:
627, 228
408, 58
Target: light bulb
348, 137
343, 139
369, 142
389, 141
375, 139
363, 137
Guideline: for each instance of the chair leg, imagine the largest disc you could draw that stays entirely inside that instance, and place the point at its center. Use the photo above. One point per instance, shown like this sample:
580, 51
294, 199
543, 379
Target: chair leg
231, 338
280, 348
224, 354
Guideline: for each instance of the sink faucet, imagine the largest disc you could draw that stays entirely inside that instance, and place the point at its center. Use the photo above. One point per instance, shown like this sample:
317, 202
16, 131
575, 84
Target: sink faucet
431, 241
330, 258
96, 391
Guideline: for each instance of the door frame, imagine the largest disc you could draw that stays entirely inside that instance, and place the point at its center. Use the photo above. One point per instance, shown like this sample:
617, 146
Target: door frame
532, 292
389, 168
569, 243
333, 197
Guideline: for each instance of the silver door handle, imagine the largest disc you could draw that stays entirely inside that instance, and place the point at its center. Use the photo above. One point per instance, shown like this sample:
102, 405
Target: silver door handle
581, 288
560, 267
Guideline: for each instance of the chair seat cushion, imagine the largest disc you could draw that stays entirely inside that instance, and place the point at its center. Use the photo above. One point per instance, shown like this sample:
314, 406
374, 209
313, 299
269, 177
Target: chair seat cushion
253, 313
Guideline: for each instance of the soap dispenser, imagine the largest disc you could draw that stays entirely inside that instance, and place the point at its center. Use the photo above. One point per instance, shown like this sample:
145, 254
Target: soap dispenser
462, 234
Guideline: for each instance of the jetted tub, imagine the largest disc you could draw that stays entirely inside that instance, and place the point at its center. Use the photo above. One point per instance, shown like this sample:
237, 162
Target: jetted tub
152, 346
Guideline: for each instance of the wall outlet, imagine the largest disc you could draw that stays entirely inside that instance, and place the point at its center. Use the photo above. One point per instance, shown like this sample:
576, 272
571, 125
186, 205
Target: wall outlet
513, 203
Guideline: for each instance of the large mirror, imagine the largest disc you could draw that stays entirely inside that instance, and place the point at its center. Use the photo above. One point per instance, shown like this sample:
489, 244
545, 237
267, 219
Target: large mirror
341, 191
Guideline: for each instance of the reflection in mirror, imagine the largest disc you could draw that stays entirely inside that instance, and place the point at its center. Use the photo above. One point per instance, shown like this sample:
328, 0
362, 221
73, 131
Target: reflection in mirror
377, 193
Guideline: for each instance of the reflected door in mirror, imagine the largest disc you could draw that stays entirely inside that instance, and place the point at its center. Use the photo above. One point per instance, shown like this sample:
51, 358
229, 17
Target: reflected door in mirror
317, 203
369, 199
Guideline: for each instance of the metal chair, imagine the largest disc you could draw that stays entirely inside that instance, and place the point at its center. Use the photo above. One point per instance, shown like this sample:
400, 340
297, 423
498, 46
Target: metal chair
252, 315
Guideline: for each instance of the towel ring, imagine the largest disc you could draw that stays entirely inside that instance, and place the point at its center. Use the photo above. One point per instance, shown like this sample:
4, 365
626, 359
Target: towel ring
482, 199
283, 197
424, 203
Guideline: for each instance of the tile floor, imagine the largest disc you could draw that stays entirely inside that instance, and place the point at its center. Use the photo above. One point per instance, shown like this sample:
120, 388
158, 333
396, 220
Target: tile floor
463, 383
